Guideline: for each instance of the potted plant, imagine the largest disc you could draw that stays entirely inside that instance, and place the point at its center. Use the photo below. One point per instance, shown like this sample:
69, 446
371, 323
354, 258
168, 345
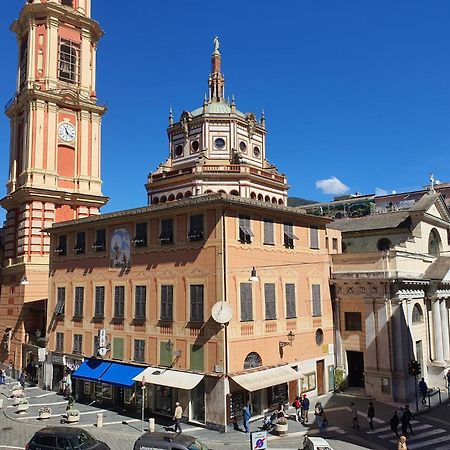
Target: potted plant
18, 396
16, 390
281, 426
73, 415
45, 412
22, 405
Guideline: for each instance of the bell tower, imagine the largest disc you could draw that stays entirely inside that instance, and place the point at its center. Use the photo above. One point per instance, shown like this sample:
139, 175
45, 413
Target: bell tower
54, 157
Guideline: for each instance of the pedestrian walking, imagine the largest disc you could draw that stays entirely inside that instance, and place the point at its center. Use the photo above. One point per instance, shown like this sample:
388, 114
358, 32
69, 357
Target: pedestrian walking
423, 388
2, 376
319, 413
393, 422
305, 409
355, 420
246, 418
177, 415
402, 443
370, 414
404, 422
22, 378
447, 376
11, 369
409, 417
297, 404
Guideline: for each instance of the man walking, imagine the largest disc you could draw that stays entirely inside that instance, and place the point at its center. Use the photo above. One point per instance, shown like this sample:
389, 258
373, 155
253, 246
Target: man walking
371, 414
355, 420
177, 415
246, 418
409, 417
394, 423
305, 409
298, 409
423, 388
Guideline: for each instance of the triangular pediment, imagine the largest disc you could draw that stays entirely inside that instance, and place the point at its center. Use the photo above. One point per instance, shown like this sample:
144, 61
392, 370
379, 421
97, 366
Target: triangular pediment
432, 204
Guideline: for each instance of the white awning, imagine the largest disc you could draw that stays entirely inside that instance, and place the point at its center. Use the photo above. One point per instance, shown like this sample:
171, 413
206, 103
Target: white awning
261, 379
171, 378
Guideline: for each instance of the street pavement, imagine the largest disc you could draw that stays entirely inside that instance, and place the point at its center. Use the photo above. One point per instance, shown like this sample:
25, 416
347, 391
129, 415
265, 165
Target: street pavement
120, 430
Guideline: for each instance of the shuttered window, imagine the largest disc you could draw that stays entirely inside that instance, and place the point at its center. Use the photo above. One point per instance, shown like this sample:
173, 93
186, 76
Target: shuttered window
246, 302
61, 301
59, 347
289, 236
140, 240
80, 244
78, 301
61, 250
196, 228
290, 301
316, 300
78, 343
197, 358
139, 350
314, 238
99, 310
166, 302
269, 301
117, 348
268, 231
119, 302
96, 346
100, 240
196, 301
166, 236
140, 302
245, 232
165, 354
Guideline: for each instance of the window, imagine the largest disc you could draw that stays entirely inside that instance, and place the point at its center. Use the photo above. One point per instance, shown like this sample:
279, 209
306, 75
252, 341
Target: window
117, 348
197, 358
252, 360
67, 3
246, 302
316, 301
99, 301
119, 302
23, 62
61, 301
69, 60
139, 302
434, 243
289, 235
96, 346
165, 354
78, 343
290, 301
334, 243
79, 297
139, 350
268, 231
269, 300
353, 321
385, 385
140, 240
196, 228
314, 238
59, 347
319, 336
417, 314
80, 243
61, 249
383, 244
166, 302
100, 240
245, 233
166, 236
309, 382
197, 292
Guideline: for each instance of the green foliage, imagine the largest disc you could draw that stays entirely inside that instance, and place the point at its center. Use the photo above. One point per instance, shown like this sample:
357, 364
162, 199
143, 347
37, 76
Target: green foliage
298, 201
339, 380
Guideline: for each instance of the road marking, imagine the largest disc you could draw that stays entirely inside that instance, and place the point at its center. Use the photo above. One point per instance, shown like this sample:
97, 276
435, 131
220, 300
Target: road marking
360, 413
427, 443
40, 404
9, 446
421, 427
45, 395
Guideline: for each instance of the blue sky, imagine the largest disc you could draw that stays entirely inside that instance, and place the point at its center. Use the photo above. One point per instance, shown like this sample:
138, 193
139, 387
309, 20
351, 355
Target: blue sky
353, 90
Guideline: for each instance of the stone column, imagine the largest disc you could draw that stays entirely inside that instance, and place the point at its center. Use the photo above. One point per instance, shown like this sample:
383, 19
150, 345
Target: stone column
337, 331
437, 331
445, 331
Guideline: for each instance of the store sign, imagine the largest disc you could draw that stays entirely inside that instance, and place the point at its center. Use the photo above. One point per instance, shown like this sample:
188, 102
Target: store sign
56, 359
42, 353
258, 440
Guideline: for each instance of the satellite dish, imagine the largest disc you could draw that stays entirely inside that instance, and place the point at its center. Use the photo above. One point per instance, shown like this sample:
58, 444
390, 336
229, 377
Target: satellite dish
222, 312
102, 351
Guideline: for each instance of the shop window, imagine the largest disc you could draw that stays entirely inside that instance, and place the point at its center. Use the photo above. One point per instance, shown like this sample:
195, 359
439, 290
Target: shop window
197, 357
290, 301
166, 302
61, 249
166, 236
289, 236
279, 394
61, 301
139, 350
140, 239
268, 232
246, 302
163, 400
316, 300
107, 391
269, 301
80, 243
245, 232
417, 314
78, 343
140, 302
309, 382
165, 354
119, 302
78, 301
196, 302
87, 388
59, 346
353, 321
195, 228
99, 310
314, 238
117, 348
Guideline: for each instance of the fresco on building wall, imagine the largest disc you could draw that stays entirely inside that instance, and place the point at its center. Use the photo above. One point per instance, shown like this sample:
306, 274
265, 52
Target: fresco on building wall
121, 248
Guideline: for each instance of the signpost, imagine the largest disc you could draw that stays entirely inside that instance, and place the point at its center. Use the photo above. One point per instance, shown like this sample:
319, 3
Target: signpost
258, 440
143, 403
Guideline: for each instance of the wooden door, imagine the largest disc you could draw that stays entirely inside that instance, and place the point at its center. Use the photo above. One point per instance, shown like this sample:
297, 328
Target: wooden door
320, 371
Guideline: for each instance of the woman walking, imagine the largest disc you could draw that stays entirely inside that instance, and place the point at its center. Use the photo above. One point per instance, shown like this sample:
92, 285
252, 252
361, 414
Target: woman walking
402, 443
371, 414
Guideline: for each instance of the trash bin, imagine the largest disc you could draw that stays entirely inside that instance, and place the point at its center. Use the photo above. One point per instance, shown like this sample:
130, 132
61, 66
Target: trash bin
99, 420
151, 425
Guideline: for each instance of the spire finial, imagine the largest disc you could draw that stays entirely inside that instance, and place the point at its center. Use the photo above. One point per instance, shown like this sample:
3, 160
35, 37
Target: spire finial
170, 117
216, 43
216, 79
263, 118
432, 181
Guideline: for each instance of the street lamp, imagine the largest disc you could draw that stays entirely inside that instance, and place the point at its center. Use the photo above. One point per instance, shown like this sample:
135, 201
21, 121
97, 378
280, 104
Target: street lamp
291, 338
253, 277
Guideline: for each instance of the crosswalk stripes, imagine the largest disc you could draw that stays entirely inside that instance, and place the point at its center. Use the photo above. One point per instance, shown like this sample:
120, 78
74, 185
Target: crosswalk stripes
425, 436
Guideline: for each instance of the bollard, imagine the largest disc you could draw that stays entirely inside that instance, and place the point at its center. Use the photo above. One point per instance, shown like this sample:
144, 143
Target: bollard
99, 420
151, 425
1, 403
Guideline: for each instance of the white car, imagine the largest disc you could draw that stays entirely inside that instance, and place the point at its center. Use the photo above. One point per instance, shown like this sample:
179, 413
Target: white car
315, 443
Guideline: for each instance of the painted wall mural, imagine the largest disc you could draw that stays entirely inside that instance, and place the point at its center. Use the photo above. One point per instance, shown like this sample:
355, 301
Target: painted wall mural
121, 248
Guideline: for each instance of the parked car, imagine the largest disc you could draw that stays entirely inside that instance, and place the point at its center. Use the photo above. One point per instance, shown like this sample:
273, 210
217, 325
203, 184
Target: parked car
55, 438
315, 443
168, 441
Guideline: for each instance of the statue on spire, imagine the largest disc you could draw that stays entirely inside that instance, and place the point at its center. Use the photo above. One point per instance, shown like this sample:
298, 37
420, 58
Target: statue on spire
216, 45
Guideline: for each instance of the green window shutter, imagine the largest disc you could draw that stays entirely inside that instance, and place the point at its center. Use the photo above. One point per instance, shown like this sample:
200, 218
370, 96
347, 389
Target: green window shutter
117, 348
165, 356
197, 357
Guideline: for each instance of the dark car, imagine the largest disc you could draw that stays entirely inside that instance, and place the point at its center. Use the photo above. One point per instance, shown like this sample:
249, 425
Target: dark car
64, 438
168, 441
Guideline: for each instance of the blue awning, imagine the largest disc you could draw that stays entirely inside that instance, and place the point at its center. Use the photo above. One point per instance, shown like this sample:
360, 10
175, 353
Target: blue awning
121, 375
92, 369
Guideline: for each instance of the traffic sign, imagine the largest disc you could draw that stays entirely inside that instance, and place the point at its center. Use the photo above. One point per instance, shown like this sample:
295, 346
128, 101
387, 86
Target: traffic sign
258, 440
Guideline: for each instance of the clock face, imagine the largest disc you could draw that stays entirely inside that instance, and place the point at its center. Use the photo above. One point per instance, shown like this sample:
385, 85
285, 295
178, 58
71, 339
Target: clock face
67, 132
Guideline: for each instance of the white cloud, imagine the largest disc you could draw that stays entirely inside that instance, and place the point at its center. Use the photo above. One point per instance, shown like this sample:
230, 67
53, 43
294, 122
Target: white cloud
380, 191
332, 186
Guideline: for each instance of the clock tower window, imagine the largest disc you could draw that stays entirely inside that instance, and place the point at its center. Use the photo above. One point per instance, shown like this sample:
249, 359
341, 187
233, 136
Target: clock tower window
67, 3
23, 62
69, 61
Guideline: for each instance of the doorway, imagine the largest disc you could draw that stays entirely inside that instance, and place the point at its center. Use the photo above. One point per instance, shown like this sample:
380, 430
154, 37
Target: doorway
320, 371
355, 364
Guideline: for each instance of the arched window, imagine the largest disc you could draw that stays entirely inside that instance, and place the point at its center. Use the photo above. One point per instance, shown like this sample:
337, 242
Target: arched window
274, 200
155, 200
383, 244
260, 197
163, 199
417, 314
171, 198
188, 194
267, 199
253, 196
179, 195
252, 360
234, 193
434, 243
280, 201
